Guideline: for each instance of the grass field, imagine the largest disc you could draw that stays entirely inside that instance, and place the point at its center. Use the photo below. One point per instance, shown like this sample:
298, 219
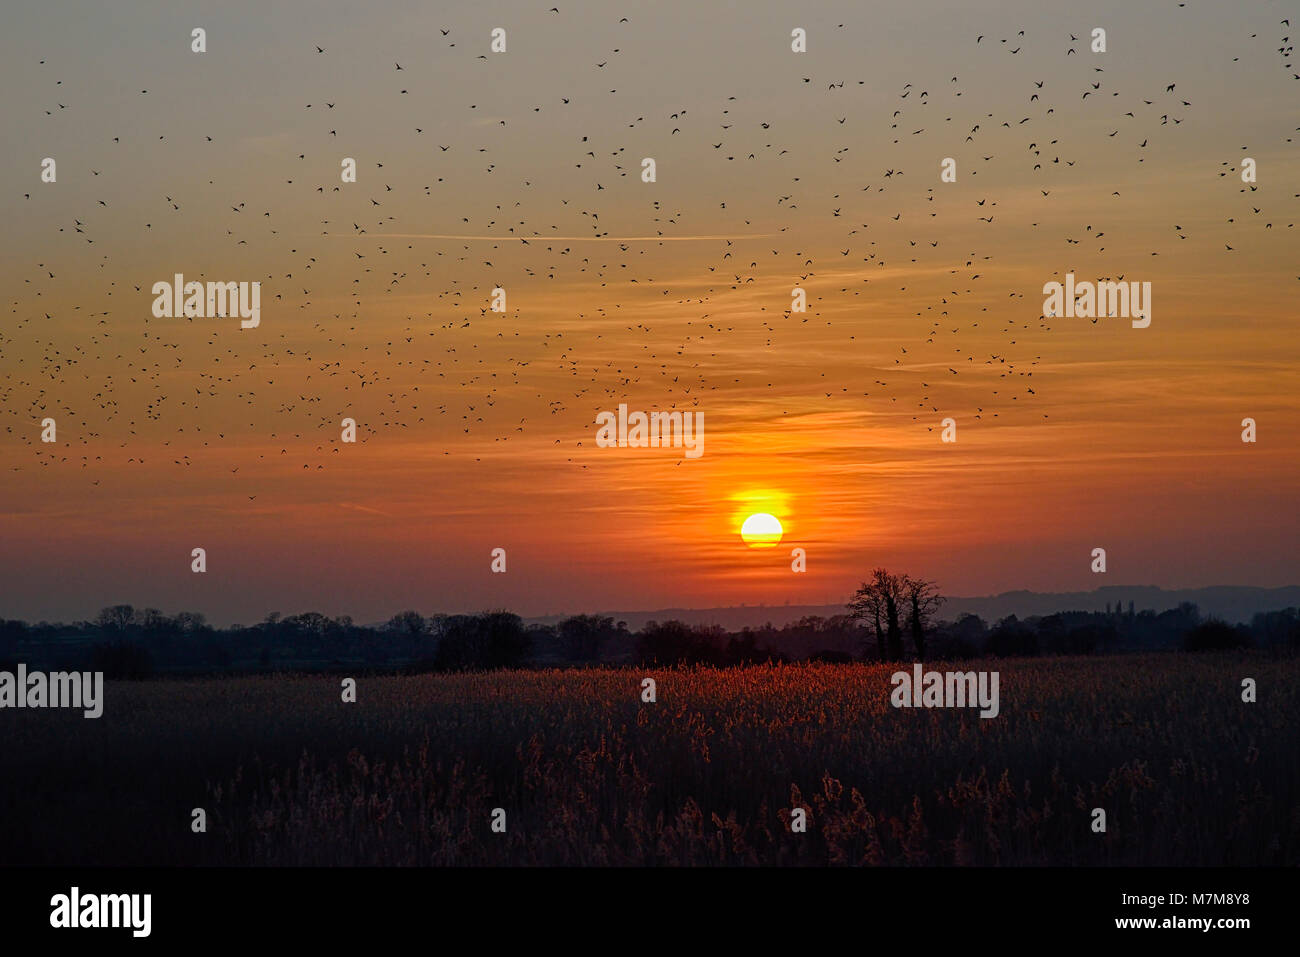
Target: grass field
588, 774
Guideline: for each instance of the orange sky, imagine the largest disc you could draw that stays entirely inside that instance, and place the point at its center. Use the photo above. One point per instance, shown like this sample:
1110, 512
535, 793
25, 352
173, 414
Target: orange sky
476, 430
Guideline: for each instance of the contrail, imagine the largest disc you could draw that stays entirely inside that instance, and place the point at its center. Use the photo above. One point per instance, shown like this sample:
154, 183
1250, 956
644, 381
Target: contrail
566, 239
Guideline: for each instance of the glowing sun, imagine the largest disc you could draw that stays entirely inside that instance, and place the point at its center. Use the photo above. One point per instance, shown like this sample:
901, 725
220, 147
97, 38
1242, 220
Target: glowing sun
761, 530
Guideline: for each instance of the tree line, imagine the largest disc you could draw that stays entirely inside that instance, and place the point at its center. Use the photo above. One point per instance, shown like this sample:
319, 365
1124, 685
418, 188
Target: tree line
891, 617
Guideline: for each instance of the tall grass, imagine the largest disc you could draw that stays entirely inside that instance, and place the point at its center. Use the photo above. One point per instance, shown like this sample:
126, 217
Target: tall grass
707, 775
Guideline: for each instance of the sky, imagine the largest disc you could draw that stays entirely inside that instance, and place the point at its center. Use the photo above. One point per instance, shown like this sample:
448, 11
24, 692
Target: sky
521, 170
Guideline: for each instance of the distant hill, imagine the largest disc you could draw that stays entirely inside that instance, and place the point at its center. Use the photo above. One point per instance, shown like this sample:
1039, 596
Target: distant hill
1232, 603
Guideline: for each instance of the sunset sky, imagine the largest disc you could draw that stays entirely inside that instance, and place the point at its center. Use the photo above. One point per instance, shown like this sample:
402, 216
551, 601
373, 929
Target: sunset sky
775, 169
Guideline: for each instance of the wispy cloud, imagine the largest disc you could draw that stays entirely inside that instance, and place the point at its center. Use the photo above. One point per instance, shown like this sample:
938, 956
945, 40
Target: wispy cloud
566, 239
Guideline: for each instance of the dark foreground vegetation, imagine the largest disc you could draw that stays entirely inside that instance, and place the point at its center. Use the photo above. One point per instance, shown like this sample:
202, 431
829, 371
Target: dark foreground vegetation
313, 740
585, 771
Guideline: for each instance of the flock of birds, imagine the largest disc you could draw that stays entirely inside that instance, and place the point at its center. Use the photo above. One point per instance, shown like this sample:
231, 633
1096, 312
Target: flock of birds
382, 311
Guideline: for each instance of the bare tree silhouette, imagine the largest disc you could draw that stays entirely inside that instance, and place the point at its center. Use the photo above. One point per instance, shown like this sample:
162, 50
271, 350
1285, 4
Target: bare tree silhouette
877, 602
885, 599
923, 600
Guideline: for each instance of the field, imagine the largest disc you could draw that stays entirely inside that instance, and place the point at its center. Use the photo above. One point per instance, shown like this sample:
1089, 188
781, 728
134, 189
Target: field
588, 774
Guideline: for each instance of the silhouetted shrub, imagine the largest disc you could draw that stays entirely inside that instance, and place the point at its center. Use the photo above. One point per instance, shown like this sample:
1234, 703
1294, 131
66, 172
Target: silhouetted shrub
121, 660
582, 637
672, 643
1013, 638
490, 640
1214, 635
